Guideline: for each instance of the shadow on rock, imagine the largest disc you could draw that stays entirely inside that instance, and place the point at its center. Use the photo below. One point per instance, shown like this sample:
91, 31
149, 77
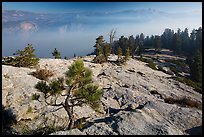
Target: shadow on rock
8, 119
194, 131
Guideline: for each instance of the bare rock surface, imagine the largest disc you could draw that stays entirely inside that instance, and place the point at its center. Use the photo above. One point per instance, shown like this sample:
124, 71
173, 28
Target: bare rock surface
128, 102
69, 132
99, 129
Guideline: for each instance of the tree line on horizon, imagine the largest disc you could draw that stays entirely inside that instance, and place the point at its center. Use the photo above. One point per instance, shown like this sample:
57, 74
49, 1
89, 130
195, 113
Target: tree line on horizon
180, 42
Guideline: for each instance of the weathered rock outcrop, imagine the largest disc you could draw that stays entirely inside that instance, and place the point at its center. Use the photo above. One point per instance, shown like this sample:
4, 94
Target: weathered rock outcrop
132, 103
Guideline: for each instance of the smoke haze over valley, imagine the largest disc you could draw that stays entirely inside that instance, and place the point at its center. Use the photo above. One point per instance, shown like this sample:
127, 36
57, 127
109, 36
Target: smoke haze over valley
75, 31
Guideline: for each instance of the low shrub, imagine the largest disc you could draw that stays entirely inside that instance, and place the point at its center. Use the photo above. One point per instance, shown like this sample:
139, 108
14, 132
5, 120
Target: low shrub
174, 69
35, 96
183, 102
197, 86
47, 130
180, 63
41, 129
43, 74
54, 87
152, 65
99, 59
143, 59
30, 109
120, 62
79, 123
26, 130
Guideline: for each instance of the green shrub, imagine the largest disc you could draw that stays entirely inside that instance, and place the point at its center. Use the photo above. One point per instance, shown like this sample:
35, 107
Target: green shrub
7, 60
43, 74
25, 58
47, 130
56, 54
174, 69
152, 65
197, 86
120, 62
179, 63
56, 86
144, 59
99, 59
43, 87
35, 96
178, 66
141, 59
26, 130
30, 109
40, 130
79, 123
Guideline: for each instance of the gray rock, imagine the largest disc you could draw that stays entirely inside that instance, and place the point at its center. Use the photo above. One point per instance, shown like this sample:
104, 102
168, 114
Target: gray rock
84, 111
110, 102
69, 132
99, 129
134, 110
127, 124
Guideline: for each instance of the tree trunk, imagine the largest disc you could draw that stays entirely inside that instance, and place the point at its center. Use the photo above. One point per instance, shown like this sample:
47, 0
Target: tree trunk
71, 117
71, 123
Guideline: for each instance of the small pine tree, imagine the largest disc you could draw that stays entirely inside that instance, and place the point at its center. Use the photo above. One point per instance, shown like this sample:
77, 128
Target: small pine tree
127, 54
65, 57
80, 90
98, 49
56, 54
107, 51
25, 57
157, 43
119, 54
100, 56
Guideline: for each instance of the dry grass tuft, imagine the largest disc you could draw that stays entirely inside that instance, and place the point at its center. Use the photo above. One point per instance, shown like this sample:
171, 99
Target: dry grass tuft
43, 74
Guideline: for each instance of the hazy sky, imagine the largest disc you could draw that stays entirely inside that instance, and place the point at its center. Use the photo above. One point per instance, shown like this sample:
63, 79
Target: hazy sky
101, 6
78, 34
